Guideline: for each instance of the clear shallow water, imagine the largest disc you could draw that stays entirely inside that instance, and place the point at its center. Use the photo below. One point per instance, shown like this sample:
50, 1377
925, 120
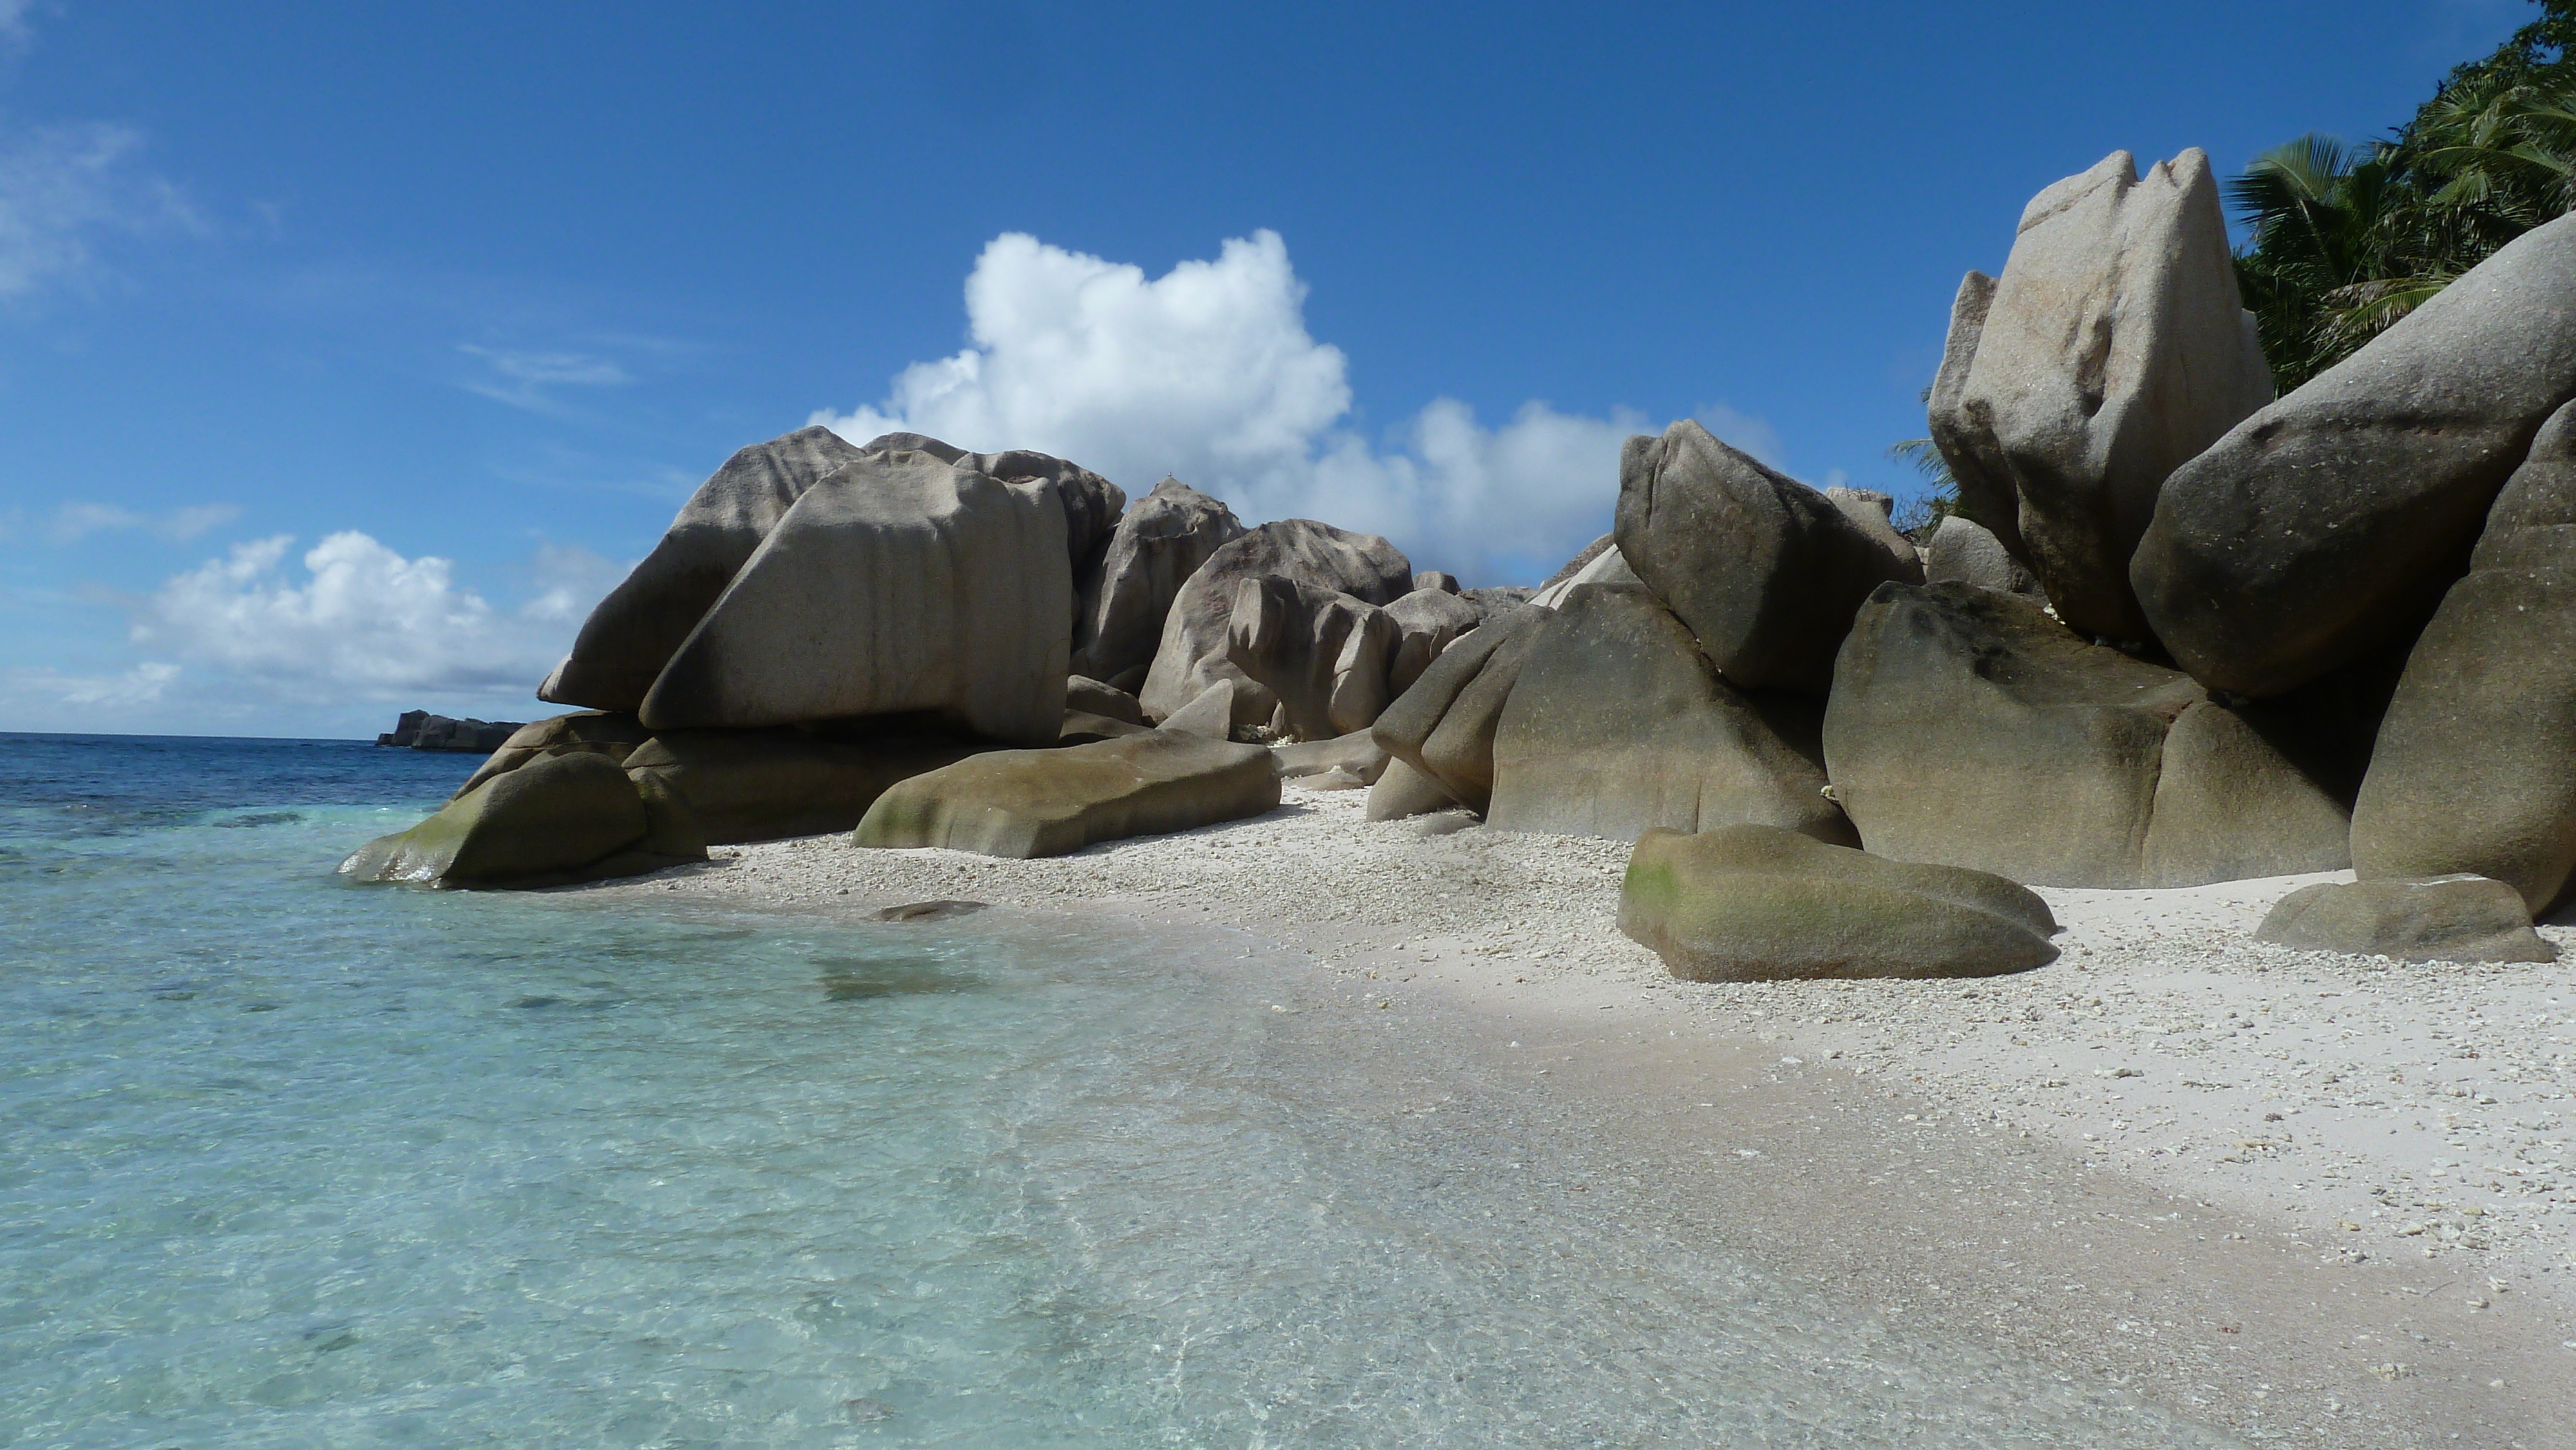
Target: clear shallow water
289, 1162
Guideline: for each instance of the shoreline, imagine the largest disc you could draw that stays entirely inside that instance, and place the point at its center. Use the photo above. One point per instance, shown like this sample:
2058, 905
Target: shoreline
2081, 1163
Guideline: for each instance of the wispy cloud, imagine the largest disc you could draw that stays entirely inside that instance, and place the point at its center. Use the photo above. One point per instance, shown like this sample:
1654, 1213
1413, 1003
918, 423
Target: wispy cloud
15, 33
62, 188
141, 686
527, 379
75, 521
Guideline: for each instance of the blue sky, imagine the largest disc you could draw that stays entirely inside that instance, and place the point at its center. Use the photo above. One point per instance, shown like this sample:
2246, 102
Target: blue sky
347, 353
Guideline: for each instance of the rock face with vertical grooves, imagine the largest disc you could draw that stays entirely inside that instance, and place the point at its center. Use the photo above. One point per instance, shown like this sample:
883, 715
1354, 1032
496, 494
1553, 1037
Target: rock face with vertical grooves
1618, 724
2475, 770
1764, 570
2448, 919
2328, 525
1444, 725
2114, 347
1761, 904
1321, 653
899, 584
632, 633
1156, 547
1968, 448
1023, 803
1428, 622
1192, 653
1968, 728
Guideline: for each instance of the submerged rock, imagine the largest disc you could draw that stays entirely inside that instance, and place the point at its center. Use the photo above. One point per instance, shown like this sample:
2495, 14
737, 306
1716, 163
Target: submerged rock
1757, 903
2448, 919
555, 820
1023, 803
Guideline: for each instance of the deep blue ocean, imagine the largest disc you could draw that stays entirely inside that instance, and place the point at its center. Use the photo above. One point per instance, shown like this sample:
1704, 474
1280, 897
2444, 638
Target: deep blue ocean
286, 1161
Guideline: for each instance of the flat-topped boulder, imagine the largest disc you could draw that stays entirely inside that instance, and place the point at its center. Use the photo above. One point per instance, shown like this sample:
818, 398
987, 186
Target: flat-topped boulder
767, 785
2475, 768
555, 820
2447, 919
1968, 728
1155, 548
900, 583
2329, 524
1618, 725
2114, 347
1193, 652
1023, 803
1756, 903
1765, 571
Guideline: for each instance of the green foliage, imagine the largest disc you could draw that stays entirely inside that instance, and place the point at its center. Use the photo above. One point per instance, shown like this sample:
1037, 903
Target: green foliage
2345, 240
1943, 499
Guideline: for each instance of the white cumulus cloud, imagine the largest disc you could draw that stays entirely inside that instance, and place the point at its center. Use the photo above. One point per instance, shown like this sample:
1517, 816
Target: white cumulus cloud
359, 622
1209, 374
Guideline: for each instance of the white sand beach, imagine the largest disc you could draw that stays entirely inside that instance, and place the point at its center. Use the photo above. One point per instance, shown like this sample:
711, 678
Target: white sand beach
2320, 1197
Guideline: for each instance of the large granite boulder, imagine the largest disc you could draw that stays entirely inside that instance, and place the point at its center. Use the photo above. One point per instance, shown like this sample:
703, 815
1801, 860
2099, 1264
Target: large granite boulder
2115, 347
1618, 724
1193, 651
765, 785
1444, 725
2446, 919
2328, 525
1758, 903
1322, 654
1156, 547
1092, 697
612, 733
555, 820
1092, 504
2475, 769
1966, 445
1962, 551
1764, 570
632, 633
898, 584
1049, 802
1428, 621
1968, 728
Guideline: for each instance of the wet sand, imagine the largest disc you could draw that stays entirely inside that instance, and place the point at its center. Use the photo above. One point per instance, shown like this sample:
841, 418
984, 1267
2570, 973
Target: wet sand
2301, 1195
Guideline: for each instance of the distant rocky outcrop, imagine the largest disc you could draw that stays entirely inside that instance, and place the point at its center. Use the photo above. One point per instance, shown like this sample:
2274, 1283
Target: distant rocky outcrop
421, 730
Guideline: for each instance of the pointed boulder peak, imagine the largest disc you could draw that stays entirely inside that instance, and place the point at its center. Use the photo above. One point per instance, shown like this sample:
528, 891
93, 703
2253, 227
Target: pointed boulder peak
899, 584
2115, 347
633, 632
1154, 549
1192, 653
1766, 571
2326, 526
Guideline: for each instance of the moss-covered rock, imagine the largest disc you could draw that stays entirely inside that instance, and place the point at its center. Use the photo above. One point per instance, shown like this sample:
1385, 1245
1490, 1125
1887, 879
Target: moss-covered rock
1048, 802
555, 820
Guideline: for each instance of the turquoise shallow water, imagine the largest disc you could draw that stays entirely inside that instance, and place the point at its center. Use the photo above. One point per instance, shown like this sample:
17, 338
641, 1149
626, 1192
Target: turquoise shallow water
288, 1162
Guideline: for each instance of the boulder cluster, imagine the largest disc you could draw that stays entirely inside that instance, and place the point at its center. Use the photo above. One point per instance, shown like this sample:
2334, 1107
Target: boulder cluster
2178, 632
